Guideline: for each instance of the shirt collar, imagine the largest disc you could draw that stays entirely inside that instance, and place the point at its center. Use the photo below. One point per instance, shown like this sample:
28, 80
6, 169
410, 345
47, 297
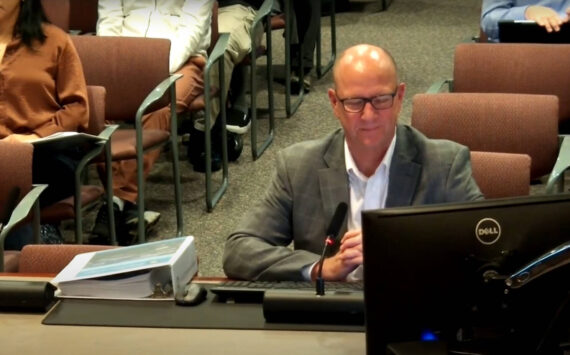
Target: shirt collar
351, 165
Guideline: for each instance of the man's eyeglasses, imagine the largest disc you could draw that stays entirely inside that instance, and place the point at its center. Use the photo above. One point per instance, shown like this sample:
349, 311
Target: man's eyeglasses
380, 102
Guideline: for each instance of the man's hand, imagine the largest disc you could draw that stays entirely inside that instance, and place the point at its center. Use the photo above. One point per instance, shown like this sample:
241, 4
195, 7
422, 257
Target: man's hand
546, 17
21, 138
348, 258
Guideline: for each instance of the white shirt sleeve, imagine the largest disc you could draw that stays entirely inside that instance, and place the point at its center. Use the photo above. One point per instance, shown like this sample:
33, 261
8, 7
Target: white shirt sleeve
110, 20
193, 35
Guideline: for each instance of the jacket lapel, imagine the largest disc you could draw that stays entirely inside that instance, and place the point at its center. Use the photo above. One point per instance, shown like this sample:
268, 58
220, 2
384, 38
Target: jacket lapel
404, 171
333, 180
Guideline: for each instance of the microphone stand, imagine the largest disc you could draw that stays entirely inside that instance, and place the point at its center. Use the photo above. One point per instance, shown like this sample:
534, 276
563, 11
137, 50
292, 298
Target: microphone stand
320, 283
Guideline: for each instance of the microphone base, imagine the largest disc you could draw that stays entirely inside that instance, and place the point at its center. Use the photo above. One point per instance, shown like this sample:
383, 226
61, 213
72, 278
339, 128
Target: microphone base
33, 296
303, 306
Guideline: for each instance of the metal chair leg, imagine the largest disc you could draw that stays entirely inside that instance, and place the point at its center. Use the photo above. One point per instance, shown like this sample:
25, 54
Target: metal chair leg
291, 107
217, 55
321, 71
257, 151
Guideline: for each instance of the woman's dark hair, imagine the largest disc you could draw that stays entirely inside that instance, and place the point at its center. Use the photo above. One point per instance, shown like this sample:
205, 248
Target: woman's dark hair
29, 24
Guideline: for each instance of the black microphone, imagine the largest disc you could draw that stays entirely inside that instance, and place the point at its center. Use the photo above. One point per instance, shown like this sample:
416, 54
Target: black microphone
332, 231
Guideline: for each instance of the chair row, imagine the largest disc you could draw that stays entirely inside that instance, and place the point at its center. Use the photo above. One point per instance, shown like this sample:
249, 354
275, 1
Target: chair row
518, 68
489, 170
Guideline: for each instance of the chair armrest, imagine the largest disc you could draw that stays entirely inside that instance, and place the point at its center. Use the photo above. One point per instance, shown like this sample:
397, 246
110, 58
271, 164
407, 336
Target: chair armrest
108, 131
264, 11
216, 55
156, 94
438, 85
22, 210
561, 165
217, 52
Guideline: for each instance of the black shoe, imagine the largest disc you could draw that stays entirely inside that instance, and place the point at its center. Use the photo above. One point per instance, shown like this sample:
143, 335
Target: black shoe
235, 146
50, 234
131, 220
237, 121
199, 164
197, 154
296, 84
100, 232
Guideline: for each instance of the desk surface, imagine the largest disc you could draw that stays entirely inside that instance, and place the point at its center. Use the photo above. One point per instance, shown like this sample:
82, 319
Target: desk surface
25, 334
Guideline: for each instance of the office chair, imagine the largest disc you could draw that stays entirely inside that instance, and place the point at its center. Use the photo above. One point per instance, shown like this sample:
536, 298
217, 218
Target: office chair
501, 174
52, 258
19, 199
508, 123
135, 73
58, 12
86, 195
77, 16
526, 68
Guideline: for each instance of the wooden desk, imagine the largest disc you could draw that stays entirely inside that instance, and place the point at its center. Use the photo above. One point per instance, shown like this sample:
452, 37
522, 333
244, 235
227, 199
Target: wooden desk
24, 334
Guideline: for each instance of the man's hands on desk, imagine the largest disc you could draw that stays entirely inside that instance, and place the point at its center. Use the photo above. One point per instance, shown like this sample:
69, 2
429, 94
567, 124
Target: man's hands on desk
348, 258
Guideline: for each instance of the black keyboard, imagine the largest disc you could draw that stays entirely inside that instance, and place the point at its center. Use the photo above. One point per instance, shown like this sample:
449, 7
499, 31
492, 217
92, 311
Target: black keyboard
253, 291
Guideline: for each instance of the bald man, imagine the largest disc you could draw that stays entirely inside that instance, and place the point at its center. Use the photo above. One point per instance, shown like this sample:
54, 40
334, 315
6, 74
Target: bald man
371, 163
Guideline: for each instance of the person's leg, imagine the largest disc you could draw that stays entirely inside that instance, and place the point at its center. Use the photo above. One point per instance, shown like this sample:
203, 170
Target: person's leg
57, 170
237, 21
306, 14
307, 25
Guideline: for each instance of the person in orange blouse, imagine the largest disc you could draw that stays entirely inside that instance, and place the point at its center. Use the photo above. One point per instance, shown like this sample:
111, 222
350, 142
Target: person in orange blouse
42, 91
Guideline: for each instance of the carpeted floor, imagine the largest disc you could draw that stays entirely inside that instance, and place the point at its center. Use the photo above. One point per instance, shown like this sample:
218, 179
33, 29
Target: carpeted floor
420, 34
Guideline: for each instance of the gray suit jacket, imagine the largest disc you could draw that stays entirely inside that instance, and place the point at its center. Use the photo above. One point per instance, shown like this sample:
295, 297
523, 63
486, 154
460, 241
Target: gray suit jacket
309, 183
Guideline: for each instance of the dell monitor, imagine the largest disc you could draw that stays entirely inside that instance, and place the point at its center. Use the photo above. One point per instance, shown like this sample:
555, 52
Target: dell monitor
441, 272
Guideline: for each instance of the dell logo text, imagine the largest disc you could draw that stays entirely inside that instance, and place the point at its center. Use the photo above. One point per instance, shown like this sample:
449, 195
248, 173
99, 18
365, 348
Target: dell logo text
488, 231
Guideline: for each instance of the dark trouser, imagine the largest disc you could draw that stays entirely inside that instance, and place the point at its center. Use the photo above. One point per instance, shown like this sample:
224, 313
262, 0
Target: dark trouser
57, 170
308, 22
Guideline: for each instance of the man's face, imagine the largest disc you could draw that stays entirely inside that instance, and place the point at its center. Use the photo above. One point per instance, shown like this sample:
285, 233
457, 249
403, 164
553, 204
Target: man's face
372, 128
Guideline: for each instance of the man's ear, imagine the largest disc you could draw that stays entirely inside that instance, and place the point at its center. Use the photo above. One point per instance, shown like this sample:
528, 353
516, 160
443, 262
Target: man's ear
401, 91
332, 98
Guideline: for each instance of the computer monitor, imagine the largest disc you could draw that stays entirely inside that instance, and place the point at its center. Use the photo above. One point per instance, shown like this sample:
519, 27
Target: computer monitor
438, 272
524, 31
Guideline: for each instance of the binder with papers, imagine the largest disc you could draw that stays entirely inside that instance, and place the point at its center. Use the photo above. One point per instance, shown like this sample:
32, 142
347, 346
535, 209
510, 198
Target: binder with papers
155, 270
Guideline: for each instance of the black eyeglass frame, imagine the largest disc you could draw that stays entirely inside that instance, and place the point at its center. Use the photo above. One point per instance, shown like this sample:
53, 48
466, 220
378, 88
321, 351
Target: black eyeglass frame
365, 100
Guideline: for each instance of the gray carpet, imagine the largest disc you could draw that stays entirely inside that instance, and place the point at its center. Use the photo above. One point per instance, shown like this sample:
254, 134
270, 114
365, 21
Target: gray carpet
421, 35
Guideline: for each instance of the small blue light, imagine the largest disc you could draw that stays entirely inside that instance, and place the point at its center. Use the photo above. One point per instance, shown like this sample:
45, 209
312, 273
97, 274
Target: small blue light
428, 335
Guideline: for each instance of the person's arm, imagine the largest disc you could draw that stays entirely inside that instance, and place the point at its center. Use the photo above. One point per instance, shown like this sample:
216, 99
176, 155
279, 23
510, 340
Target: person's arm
495, 10
194, 27
348, 258
71, 91
258, 250
110, 18
460, 184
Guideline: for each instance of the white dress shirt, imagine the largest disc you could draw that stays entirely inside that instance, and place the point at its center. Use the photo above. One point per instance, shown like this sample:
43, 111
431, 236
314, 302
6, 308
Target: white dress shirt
366, 193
